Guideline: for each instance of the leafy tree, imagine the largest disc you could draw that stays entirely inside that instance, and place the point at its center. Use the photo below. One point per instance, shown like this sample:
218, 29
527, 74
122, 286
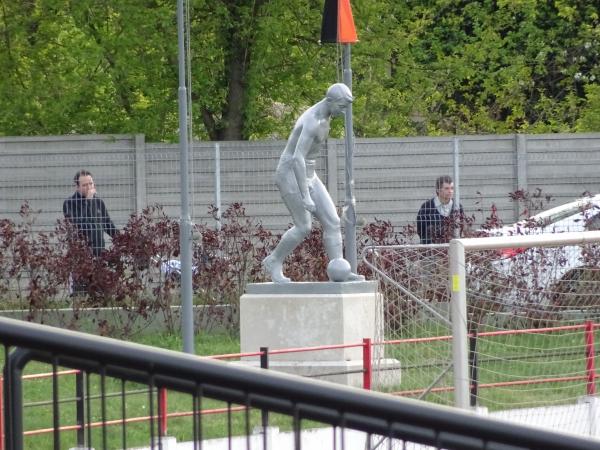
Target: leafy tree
590, 115
420, 67
504, 66
88, 67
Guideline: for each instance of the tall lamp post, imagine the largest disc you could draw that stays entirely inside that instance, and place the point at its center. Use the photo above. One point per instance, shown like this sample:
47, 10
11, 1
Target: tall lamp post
185, 226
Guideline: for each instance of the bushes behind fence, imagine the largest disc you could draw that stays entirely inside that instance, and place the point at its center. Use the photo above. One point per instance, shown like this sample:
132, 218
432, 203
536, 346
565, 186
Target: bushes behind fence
133, 277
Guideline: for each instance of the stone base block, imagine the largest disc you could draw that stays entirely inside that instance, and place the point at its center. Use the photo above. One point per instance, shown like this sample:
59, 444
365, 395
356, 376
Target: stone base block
301, 315
293, 315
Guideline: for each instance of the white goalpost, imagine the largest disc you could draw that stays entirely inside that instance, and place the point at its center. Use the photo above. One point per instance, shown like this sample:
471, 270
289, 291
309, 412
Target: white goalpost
458, 281
505, 325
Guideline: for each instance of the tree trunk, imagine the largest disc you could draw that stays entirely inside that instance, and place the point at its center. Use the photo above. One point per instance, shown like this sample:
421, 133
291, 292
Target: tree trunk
233, 114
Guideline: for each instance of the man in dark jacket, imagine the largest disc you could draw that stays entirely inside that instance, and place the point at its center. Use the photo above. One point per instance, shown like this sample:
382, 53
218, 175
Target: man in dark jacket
438, 216
88, 213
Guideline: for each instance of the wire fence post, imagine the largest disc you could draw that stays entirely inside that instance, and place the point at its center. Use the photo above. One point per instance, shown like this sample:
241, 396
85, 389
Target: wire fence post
162, 411
473, 362
264, 364
589, 357
1, 413
367, 364
80, 408
456, 162
218, 185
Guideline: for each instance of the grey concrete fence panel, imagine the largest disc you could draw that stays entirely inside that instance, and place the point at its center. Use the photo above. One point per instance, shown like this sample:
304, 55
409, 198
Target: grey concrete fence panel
393, 176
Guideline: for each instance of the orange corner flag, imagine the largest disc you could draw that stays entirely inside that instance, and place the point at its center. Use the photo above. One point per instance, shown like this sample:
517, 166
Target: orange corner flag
338, 23
346, 29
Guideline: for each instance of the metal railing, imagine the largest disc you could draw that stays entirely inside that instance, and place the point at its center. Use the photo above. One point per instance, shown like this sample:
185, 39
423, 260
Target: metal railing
419, 392
388, 421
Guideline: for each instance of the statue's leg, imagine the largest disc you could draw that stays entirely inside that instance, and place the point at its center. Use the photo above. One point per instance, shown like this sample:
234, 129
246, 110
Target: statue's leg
330, 221
273, 263
327, 215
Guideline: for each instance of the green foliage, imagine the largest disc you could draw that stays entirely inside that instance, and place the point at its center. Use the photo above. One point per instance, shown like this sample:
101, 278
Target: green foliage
420, 67
590, 115
88, 67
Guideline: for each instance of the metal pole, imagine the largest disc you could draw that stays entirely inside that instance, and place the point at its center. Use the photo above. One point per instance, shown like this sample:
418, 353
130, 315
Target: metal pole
367, 364
218, 185
458, 305
473, 364
349, 214
457, 185
590, 354
163, 412
185, 234
264, 364
80, 408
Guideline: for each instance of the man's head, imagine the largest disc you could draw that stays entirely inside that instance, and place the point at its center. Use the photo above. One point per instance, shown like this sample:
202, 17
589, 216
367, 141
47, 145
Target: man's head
339, 97
84, 183
444, 188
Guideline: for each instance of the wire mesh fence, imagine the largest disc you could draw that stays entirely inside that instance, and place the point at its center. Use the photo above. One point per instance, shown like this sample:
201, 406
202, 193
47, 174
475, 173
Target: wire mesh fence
532, 323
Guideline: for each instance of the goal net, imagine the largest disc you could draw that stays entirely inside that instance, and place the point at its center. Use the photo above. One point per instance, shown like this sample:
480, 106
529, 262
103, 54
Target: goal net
529, 324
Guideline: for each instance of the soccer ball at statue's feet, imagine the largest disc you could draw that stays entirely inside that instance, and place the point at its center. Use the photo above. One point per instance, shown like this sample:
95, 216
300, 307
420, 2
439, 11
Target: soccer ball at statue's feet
338, 269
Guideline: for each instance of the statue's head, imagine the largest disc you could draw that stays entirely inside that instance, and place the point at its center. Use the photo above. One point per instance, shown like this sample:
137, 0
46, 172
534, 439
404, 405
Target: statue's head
339, 97
339, 91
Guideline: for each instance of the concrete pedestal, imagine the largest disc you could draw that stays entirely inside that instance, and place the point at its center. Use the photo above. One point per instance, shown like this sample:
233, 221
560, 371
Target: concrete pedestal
295, 315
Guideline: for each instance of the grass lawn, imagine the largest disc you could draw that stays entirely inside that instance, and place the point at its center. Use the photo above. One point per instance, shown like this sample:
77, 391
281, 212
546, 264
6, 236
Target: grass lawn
204, 344
509, 359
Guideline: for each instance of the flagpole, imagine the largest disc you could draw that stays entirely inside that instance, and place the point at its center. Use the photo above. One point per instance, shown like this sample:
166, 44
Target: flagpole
349, 213
337, 26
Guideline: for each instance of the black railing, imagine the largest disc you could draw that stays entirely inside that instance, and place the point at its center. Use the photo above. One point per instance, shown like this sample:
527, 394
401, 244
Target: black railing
387, 422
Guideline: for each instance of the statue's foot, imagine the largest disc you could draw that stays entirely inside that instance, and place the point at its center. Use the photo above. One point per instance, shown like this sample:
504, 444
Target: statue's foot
355, 277
275, 269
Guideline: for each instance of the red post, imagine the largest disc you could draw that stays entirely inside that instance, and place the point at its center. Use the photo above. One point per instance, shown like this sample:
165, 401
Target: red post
162, 408
589, 357
1, 414
367, 366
